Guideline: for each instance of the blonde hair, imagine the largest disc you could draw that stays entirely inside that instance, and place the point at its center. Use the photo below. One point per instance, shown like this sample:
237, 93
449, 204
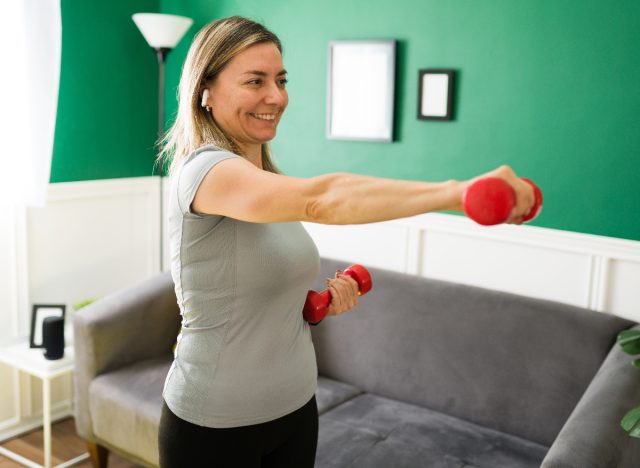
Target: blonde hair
212, 49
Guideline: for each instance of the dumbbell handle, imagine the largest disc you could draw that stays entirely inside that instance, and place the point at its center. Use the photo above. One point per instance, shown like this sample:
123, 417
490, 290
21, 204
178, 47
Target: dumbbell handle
490, 200
317, 303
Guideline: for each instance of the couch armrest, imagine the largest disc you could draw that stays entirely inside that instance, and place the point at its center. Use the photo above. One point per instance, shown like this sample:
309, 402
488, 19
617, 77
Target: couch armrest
592, 436
130, 325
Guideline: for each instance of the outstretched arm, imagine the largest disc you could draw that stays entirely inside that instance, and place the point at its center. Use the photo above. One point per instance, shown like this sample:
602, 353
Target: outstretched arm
237, 189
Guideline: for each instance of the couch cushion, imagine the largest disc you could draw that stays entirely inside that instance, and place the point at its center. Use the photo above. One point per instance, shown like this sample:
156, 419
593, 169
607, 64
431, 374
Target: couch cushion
497, 359
125, 407
331, 393
372, 431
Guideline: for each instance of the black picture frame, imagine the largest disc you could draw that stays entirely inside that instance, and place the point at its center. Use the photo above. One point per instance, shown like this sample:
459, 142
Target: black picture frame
38, 314
432, 107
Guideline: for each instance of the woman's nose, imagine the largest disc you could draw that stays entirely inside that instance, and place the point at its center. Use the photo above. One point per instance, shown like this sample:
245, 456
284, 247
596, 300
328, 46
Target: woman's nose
276, 96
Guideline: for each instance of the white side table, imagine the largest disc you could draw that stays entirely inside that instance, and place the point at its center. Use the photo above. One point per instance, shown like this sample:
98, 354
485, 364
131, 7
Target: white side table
18, 355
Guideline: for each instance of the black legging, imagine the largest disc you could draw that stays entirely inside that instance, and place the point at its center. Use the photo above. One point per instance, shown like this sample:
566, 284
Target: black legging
286, 442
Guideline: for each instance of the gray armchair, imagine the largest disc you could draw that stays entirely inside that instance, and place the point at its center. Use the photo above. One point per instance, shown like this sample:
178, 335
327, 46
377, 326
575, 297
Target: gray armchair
123, 347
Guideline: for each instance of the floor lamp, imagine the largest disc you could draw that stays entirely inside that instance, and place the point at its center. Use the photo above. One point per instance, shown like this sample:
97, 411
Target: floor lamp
162, 32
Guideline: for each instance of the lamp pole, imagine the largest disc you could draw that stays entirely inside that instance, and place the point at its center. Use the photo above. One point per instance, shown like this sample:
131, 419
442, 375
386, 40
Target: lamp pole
161, 54
162, 32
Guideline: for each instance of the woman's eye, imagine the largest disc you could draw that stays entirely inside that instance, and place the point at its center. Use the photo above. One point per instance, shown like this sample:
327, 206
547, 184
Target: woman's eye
258, 82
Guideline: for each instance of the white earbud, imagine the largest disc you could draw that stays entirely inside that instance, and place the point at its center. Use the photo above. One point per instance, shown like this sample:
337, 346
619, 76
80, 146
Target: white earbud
205, 98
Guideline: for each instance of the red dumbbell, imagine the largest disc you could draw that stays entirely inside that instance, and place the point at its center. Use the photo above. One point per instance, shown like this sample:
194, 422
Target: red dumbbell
489, 201
317, 304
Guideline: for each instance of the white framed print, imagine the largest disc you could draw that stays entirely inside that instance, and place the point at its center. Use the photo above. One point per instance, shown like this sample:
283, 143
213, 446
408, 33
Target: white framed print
435, 96
361, 90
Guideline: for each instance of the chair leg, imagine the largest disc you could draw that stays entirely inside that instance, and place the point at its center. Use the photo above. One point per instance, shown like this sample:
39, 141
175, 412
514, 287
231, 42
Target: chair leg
99, 455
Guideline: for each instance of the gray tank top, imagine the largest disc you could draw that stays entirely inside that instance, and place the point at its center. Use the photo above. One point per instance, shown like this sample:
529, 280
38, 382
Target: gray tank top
244, 353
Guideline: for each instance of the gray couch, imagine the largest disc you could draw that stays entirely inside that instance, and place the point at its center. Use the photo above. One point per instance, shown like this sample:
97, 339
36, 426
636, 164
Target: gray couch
422, 373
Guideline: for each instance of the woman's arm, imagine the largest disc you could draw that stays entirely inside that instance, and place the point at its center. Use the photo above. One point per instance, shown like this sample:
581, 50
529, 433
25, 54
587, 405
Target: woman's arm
237, 189
356, 199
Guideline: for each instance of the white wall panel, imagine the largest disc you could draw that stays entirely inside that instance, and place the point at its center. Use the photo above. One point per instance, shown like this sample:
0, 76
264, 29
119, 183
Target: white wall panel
13, 304
624, 289
378, 244
93, 238
7, 275
8, 395
522, 269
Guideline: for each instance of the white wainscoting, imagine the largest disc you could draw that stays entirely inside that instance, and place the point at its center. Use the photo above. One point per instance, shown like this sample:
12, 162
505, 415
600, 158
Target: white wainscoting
599, 273
96, 237
92, 238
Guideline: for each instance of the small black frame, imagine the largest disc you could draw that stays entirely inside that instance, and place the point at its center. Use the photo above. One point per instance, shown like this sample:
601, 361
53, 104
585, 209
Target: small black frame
38, 314
423, 112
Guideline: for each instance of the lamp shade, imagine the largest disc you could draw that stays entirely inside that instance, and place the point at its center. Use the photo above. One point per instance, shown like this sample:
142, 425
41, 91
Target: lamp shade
160, 30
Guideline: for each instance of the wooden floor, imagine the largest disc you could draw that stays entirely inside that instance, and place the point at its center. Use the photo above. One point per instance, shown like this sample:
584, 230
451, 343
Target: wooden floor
65, 444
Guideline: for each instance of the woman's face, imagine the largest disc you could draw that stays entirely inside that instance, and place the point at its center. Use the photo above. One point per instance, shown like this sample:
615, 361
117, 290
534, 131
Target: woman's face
248, 97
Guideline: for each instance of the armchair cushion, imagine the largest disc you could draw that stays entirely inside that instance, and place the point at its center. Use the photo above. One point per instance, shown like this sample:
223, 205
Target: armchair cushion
125, 407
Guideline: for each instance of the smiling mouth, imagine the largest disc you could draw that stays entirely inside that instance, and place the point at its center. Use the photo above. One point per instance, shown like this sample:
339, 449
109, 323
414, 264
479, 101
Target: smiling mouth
267, 117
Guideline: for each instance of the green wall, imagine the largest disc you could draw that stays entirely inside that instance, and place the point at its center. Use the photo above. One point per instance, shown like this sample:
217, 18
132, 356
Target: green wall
108, 102
546, 86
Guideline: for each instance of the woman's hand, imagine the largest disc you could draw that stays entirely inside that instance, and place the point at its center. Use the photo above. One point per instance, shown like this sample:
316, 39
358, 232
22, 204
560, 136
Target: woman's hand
344, 293
525, 197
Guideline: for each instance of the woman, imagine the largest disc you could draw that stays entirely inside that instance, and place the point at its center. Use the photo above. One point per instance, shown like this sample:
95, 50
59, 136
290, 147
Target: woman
240, 392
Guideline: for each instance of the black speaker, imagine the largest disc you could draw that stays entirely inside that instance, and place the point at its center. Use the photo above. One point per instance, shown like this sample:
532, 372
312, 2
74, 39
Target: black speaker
53, 337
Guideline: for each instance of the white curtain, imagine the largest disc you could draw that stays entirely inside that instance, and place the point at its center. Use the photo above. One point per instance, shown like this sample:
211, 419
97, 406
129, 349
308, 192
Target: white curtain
30, 44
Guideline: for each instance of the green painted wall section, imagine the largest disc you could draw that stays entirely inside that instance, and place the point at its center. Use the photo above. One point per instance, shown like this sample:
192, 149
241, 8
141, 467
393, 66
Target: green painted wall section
548, 87
108, 102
